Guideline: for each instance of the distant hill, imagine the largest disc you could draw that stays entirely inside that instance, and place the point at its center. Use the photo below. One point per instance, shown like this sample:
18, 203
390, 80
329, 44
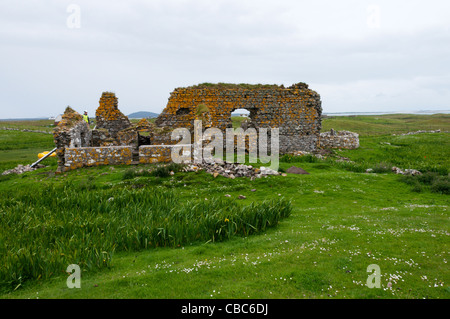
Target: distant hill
142, 114
239, 115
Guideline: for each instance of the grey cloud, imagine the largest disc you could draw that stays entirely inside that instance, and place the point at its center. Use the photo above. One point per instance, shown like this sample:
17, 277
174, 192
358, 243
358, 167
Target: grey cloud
143, 49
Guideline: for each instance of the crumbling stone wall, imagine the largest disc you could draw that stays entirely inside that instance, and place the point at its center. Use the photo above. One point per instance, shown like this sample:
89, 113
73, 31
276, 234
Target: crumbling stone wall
295, 110
71, 131
113, 141
339, 139
158, 153
94, 156
109, 122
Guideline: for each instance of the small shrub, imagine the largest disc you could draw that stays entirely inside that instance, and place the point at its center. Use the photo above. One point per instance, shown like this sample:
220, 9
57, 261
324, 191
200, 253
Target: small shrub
164, 170
439, 170
128, 174
417, 188
175, 167
427, 178
441, 185
201, 108
161, 171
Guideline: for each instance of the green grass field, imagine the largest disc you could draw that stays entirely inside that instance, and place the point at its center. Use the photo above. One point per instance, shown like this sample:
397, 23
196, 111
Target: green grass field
387, 124
18, 147
341, 220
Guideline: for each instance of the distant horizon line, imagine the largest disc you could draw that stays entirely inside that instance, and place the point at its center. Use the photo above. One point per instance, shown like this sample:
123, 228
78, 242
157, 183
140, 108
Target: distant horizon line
424, 112
430, 112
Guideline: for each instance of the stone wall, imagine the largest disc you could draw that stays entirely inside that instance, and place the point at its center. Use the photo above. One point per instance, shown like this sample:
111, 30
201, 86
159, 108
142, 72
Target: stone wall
295, 110
116, 155
159, 153
109, 121
339, 139
71, 131
94, 156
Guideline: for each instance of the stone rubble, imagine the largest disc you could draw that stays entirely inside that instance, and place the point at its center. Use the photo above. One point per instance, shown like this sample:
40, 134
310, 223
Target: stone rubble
20, 169
301, 153
421, 131
397, 170
407, 171
24, 130
231, 170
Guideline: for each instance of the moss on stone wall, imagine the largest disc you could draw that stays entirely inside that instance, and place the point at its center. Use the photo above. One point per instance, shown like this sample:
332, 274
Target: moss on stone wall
95, 156
155, 154
109, 116
296, 111
234, 86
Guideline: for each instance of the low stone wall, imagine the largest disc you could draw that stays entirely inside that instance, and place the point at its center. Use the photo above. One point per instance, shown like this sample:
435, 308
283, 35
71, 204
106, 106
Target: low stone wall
340, 139
93, 156
161, 153
24, 130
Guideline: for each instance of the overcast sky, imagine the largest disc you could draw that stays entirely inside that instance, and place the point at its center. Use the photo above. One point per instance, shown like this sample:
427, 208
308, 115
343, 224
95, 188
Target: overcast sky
360, 56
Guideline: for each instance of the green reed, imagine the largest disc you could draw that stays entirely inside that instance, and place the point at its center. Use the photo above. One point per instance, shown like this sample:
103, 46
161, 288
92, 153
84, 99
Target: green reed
42, 231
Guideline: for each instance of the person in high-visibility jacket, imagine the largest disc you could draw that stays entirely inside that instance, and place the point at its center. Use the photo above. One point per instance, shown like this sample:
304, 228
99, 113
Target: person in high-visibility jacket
86, 117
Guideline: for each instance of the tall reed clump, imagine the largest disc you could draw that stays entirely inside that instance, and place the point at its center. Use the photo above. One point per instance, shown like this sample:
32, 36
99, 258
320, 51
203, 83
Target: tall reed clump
42, 231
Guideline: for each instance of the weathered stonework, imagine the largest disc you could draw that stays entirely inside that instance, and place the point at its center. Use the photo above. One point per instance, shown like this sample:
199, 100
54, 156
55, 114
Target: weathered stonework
94, 156
109, 117
71, 131
101, 137
295, 110
156, 153
339, 139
